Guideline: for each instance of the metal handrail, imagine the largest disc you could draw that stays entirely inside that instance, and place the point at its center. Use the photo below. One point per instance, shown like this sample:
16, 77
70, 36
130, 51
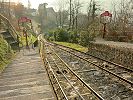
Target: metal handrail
14, 33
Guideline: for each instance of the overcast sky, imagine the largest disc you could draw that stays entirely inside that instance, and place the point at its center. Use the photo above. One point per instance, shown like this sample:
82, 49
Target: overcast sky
105, 4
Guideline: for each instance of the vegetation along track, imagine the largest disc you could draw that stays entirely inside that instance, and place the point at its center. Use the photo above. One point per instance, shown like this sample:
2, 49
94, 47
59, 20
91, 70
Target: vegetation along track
105, 77
66, 84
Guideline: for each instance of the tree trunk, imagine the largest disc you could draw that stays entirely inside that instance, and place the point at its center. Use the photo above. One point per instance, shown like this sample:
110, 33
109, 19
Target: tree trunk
70, 14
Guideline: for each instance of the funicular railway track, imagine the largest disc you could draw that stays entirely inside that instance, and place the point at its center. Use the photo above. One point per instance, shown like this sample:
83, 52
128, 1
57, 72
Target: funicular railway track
109, 84
120, 71
66, 83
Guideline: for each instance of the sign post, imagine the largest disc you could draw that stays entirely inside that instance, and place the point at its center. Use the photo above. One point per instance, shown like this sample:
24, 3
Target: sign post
23, 20
106, 18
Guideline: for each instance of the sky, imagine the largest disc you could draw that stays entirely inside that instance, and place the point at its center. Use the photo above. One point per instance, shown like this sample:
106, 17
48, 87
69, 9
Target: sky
35, 3
104, 4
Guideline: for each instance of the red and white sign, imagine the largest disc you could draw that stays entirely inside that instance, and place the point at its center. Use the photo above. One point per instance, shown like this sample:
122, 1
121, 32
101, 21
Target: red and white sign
24, 19
106, 13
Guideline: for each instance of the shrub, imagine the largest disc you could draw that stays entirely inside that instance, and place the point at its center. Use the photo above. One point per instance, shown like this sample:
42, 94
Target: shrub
73, 36
5, 53
85, 38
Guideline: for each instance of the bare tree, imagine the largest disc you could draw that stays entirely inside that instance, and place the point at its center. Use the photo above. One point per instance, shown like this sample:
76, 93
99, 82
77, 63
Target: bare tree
70, 14
74, 11
62, 14
78, 5
123, 17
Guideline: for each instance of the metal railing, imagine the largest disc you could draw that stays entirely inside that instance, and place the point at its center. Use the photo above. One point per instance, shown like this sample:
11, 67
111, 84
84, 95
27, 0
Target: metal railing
12, 30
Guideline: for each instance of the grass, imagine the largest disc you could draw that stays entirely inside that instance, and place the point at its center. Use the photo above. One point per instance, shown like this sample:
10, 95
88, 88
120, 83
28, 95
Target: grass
74, 46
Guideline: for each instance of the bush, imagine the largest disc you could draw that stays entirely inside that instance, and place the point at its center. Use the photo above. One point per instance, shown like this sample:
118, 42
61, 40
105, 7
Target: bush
5, 53
85, 38
62, 35
73, 36
58, 35
51, 38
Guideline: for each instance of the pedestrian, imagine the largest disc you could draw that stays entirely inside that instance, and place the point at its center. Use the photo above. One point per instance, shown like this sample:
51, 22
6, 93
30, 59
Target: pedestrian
39, 42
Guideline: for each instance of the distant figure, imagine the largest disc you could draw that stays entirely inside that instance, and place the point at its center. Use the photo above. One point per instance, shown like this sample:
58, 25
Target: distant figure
38, 33
39, 42
26, 38
38, 30
35, 43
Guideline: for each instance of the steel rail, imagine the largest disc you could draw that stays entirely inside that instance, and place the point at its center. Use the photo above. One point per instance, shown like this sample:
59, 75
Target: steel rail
65, 75
115, 64
129, 82
65, 97
45, 62
84, 83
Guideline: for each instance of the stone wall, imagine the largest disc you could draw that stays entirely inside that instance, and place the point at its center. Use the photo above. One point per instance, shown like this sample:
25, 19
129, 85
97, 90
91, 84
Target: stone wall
119, 55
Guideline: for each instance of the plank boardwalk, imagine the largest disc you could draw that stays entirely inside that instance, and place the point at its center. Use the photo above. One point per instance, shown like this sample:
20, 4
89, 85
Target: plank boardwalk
25, 79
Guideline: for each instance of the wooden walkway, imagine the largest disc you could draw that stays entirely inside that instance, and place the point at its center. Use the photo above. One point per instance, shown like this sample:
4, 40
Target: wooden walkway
25, 79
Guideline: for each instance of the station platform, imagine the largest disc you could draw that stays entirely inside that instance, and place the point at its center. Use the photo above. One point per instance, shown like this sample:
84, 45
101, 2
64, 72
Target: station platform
25, 78
116, 44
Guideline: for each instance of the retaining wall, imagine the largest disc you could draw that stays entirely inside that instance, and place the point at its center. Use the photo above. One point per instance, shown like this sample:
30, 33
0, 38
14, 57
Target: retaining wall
119, 55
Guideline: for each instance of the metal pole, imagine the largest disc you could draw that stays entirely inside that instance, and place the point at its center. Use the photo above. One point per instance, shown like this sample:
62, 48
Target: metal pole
104, 33
26, 41
26, 38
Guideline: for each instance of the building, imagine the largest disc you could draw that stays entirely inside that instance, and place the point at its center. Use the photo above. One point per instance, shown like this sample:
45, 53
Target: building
47, 17
42, 14
33, 12
51, 18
